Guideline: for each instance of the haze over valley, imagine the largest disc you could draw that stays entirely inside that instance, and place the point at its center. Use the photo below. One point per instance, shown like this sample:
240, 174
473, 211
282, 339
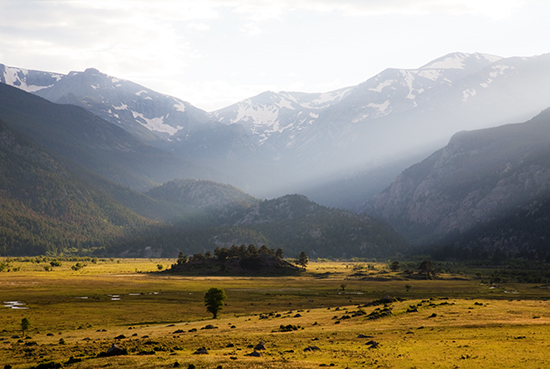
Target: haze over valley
341, 149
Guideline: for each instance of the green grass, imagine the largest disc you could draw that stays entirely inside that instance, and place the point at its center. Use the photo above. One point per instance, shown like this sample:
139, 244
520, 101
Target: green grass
460, 322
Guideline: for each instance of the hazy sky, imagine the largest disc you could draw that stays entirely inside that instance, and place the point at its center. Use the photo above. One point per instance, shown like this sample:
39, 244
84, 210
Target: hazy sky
213, 53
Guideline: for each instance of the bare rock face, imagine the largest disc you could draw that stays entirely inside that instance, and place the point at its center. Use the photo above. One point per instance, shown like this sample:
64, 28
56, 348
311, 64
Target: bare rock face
478, 177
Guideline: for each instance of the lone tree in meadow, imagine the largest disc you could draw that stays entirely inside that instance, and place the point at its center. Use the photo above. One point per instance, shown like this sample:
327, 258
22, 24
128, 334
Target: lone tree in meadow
426, 269
394, 266
213, 300
302, 260
25, 324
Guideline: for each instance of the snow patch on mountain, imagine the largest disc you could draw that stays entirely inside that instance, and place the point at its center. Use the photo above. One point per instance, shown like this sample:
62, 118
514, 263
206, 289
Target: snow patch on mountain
409, 79
450, 62
248, 113
460, 61
326, 99
382, 85
380, 107
486, 84
285, 104
467, 93
121, 107
499, 70
180, 106
17, 77
156, 124
431, 74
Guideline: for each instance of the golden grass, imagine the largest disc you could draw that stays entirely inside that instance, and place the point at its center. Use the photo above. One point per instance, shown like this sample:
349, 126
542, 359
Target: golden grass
460, 323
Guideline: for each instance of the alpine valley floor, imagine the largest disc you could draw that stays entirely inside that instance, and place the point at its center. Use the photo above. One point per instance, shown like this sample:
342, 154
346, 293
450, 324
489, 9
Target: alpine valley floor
331, 316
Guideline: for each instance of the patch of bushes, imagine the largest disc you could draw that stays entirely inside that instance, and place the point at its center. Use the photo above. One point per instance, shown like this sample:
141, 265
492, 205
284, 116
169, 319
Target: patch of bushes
78, 266
287, 328
48, 365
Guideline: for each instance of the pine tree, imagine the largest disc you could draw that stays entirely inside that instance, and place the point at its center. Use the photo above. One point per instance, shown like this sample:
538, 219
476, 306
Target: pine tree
302, 260
213, 300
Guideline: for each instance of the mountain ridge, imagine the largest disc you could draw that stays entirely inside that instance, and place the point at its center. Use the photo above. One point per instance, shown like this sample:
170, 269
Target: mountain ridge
275, 143
45, 209
477, 178
76, 133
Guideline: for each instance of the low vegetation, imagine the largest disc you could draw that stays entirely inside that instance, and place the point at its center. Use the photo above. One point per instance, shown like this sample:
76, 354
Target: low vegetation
127, 313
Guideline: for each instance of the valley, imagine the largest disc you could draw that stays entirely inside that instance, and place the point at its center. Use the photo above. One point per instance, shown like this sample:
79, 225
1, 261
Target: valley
94, 213
341, 174
457, 319
253, 184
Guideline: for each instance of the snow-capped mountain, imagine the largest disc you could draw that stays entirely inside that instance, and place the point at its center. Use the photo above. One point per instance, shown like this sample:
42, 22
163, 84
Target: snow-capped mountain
139, 110
270, 114
396, 111
284, 140
397, 90
156, 118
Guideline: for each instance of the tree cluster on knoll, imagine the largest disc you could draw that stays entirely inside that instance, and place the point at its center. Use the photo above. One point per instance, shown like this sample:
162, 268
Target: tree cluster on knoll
236, 259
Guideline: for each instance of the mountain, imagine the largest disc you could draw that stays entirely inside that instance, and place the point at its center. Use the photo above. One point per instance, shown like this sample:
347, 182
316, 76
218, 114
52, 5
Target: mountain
92, 142
473, 188
521, 233
296, 224
273, 119
202, 202
50, 205
154, 118
287, 142
392, 117
45, 209
216, 215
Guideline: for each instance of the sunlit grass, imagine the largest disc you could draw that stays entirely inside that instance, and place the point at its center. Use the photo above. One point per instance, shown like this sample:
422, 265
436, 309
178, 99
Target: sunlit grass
460, 322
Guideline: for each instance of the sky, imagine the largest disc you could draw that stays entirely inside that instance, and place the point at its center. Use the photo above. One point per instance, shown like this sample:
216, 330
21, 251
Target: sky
214, 53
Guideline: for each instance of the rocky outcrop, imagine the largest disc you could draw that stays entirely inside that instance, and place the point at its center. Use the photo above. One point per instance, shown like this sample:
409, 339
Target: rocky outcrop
478, 177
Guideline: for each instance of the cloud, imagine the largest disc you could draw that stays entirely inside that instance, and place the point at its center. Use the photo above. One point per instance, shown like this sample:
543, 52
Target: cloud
198, 26
267, 9
187, 42
251, 29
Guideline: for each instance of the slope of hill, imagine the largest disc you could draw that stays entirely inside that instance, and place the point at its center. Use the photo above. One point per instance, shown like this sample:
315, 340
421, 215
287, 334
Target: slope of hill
277, 143
92, 142
202, 202
393, 115
292, 223
478, 180
44, 209
297, 224
155, 118
521, 233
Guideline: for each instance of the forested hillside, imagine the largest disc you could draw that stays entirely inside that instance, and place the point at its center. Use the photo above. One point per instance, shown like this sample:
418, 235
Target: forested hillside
52, 205
90, 141
45, 209
292, 223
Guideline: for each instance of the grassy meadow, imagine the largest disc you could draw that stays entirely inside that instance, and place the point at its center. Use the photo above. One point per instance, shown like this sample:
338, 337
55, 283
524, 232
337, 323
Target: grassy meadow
323, 318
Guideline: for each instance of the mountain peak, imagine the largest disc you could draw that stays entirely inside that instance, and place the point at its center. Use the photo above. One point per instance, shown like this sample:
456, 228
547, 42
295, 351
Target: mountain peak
460, 60
92, 71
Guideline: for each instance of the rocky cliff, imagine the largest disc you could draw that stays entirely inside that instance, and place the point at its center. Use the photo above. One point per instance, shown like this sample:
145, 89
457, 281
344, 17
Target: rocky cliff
480, 176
